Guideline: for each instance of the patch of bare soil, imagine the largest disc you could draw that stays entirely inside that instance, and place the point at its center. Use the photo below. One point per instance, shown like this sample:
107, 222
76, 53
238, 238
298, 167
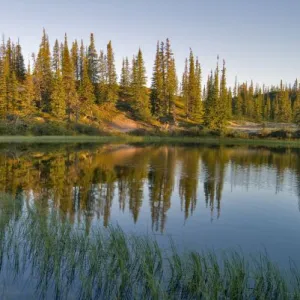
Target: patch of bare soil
256, 127
121, 123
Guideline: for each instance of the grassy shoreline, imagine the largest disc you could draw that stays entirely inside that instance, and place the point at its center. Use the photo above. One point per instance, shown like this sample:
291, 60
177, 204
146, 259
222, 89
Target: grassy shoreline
122, 139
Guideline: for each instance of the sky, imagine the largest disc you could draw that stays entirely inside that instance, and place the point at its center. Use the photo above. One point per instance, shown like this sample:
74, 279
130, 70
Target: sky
259, 39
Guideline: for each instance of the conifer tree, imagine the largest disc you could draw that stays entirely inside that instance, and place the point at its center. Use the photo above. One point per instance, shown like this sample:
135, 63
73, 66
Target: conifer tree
213, 120
268, 108
258, 106
198, 111
27, 106
138, 84
86, 90
58, 96
71, 96
156, 96
3, 91
184, 88
229, 104
43, 74
237, 106
102, 87
249, 111
112, 86
75, 60
194, 109
209, 97
297, 113
13, 96
296, 106
58, 105
56, 65
93, 62
19, 64
125, 78
9, 55
82, 56
170, 81
284, 110
223, 103
192, 85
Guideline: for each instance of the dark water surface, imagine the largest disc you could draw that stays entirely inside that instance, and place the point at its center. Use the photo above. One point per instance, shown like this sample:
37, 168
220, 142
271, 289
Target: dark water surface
203, 197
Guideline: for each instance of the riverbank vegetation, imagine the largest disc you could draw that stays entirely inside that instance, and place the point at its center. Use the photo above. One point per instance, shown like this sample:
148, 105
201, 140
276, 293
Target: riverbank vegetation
74, 89
61, 260
163, 140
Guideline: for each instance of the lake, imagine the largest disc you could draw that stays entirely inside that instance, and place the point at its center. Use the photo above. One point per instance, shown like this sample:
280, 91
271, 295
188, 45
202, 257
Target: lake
203, 197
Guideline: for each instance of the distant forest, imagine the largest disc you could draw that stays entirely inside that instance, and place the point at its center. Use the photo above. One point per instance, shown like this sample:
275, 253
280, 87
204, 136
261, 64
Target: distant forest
73, 83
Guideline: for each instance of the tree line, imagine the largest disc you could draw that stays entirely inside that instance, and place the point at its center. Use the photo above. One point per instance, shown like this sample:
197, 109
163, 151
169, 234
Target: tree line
72, 83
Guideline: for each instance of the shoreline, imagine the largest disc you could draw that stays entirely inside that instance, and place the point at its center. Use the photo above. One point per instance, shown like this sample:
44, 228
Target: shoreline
123, 139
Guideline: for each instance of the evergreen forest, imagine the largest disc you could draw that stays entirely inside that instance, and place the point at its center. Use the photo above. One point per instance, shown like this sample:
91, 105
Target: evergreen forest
70, 83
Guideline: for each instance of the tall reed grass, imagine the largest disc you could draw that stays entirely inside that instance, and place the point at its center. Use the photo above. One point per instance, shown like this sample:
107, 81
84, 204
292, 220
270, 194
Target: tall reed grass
64, 261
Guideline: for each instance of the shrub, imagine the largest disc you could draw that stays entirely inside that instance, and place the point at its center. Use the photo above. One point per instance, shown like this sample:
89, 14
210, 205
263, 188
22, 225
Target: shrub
49, 129
86, 129
296, 134
279, 134
239, 134
13, 128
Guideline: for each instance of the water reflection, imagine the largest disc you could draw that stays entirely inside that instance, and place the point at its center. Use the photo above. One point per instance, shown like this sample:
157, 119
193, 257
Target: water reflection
86, 183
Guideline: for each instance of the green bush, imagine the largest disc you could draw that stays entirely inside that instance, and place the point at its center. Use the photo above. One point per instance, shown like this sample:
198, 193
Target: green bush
86, 129
12, 128
50, 129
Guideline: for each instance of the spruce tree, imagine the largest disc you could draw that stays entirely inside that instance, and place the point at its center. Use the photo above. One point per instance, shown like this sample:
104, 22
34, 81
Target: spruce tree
86, 90
71, 96
13, 95
156, 96
27, 106
82, 56
19, 64
258, 106
296, 105
199, 107
229, 104
170, 81
43, 74
3, 91
297, 113
192, 85
139, 90
58, 104
93, 62
58, 96
56, 57
102, 86
75, 60
250, 101
184, 88
209, 98
112, 86
268, 108
213, 121
224, 106
284, 109
9, 55
125, 79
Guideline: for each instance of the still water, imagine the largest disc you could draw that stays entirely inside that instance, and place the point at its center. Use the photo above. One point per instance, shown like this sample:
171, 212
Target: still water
204, 197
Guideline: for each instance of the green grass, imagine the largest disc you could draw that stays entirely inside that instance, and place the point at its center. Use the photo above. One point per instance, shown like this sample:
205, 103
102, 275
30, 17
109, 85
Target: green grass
150, 140
61, 260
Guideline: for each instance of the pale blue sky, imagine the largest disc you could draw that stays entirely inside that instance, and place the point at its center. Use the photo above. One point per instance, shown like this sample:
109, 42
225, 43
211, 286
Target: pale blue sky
259, 39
